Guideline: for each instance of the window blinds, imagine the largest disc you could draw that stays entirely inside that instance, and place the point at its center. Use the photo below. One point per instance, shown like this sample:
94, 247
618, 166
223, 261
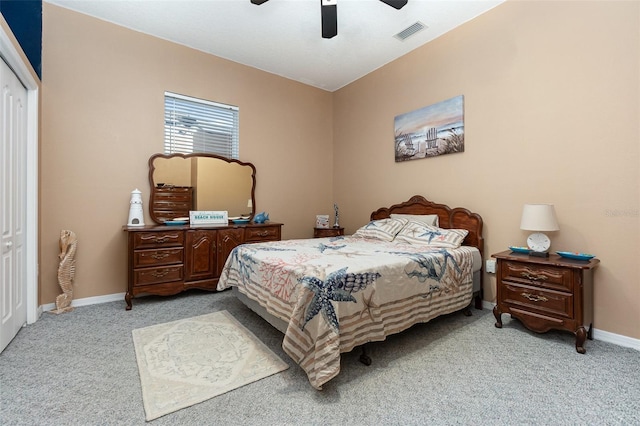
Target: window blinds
195, 125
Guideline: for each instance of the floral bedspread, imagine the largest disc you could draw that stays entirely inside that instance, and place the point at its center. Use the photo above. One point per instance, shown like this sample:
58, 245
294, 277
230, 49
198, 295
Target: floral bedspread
339, 293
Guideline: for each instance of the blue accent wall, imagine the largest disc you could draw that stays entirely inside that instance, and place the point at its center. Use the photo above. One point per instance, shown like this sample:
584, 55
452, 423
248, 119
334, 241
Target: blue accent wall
25, 20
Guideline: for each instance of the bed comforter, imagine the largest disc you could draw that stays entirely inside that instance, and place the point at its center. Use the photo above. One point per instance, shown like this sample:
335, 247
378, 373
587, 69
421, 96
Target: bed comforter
339, 293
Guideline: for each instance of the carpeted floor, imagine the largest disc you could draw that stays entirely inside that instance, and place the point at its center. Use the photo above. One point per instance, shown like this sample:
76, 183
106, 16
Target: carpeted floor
80, 369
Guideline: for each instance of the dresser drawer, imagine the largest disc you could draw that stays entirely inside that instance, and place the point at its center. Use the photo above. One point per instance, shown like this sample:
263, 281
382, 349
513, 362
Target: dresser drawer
267, 233
171, 210
158, 239
158, 275
531, 298
156, 257
182, 197
547, 276
163, 216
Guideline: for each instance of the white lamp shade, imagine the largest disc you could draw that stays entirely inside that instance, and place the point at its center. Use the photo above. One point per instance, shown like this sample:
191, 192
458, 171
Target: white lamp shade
539, 217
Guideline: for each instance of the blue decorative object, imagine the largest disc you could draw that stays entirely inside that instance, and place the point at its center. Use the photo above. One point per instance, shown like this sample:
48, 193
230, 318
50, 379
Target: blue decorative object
576, 256
519, 249
261, 217
240, 221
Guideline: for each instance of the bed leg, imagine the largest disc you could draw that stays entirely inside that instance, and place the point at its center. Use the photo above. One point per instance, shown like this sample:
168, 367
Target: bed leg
364, 358
478, 300
467, 311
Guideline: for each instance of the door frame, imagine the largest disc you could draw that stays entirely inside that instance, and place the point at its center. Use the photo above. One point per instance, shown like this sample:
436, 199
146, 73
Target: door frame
13, 55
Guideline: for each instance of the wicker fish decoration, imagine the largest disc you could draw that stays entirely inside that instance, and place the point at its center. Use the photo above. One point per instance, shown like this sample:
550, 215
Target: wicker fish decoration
66, 271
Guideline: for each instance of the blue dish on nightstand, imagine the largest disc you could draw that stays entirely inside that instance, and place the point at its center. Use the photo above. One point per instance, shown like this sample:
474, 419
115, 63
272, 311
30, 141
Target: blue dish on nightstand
576, 256
519, 249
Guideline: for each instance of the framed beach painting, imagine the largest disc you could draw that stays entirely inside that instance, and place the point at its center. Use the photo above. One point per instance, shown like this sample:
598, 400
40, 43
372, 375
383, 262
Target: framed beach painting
434, 130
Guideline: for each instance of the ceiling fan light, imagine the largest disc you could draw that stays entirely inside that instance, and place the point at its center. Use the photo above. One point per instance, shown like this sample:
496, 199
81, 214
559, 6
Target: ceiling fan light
329, 20
397, 4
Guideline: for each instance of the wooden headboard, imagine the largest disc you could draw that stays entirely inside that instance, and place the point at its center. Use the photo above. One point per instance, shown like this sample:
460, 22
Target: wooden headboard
456, 218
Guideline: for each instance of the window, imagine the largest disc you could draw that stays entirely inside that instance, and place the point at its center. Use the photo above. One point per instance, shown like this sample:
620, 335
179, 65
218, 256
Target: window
196, 125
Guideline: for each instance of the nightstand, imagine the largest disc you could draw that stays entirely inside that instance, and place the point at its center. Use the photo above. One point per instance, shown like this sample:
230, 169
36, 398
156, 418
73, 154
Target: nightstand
546, 293
327, 232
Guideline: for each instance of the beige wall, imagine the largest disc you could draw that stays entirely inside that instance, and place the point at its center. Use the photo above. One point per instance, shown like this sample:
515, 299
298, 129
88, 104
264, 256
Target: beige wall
551, 115
551, 92
102, 118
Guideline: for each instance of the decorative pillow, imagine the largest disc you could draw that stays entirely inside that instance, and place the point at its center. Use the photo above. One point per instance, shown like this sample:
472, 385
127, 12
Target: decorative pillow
383, 229
432, 236
427, 219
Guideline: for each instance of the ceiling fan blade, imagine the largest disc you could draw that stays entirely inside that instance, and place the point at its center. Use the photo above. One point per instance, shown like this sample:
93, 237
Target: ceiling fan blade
329, 12
259, 2
398, 4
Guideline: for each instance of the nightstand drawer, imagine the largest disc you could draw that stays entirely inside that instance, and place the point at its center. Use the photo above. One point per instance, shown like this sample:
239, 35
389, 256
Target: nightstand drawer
547, 276
142, 258
327, 232
158, 275
550, 302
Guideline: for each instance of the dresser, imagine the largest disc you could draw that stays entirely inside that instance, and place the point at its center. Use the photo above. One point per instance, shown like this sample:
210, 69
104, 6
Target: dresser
165, 260
327, 232
546, 293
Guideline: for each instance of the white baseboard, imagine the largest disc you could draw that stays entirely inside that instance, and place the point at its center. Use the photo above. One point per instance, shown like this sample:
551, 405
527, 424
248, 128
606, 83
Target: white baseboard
604, 336
616, 339
86, 301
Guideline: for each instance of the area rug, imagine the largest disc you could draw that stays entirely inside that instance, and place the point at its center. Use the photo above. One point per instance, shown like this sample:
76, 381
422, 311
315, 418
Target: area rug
188, 361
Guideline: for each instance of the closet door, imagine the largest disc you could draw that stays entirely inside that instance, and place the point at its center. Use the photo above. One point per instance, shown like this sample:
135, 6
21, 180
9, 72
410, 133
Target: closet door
13, 142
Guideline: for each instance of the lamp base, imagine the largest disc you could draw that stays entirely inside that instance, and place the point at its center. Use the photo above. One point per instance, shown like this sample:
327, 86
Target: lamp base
539, 253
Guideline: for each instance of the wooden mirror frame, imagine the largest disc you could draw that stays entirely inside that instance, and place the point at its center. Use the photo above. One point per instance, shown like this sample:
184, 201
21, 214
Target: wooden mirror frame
154, 199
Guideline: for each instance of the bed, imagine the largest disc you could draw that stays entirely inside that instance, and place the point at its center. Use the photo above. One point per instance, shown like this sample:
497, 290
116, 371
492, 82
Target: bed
412, 262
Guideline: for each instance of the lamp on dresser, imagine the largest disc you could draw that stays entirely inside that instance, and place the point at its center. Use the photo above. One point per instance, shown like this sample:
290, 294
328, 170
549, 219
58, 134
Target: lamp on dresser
539, 218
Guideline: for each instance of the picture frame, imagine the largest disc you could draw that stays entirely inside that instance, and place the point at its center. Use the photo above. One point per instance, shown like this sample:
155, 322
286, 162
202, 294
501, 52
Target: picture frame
431, 131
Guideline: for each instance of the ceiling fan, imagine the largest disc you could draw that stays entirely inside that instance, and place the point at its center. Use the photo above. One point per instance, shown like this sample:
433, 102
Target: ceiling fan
329, 13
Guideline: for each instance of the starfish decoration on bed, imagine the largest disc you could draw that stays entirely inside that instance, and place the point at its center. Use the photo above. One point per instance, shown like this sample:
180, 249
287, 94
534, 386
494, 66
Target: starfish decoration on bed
431, 267
337, 287
431, 233
323, 247
369, 306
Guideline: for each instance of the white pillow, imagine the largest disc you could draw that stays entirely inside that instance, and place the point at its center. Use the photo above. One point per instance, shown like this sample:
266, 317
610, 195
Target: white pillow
432, 236
383, 229
427, 219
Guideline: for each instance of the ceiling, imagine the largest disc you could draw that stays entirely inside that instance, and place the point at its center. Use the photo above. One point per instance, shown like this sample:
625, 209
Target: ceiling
283, 37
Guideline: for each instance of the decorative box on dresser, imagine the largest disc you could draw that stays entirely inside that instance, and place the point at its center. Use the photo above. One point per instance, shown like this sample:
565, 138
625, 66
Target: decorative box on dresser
165, 260
546, 293
327, 232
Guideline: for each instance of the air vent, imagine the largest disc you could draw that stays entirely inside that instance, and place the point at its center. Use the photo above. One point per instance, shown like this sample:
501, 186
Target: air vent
410, 30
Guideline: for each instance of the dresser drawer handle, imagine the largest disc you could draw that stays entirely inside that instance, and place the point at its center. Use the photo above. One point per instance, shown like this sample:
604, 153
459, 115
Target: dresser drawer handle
160, 256
534, 277
159, 239
159, 274
262, 233
534, 297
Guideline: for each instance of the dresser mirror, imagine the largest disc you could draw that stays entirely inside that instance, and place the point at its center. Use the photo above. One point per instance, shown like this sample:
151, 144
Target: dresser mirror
205, 182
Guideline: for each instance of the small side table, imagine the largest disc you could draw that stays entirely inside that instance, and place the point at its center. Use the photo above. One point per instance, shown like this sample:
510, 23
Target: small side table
327, 232
546, 293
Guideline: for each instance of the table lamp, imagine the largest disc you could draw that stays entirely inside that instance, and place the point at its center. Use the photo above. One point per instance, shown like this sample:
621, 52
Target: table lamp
540, 218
